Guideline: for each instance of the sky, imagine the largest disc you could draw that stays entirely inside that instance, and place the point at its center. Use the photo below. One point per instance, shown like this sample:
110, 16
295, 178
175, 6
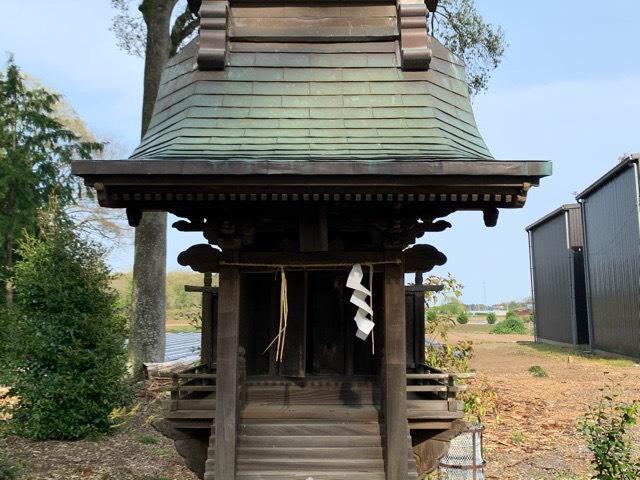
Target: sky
568, 91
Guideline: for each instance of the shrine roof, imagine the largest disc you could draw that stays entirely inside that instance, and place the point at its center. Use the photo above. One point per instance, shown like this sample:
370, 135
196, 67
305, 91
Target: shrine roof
285, 99
313, 101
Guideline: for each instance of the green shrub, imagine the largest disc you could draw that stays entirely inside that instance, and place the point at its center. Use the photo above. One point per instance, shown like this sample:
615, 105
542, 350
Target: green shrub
8, 468
67, 355
463, 318
511, 314
606, 429
491, 318
512, 325
432, 314
538, 372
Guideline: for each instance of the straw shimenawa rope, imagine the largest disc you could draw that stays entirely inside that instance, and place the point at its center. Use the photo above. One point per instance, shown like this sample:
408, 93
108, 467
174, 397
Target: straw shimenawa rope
284, 303
284, 315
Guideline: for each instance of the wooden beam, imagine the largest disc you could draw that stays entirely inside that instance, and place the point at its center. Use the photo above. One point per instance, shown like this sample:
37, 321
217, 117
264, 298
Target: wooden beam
227, 373
394, 372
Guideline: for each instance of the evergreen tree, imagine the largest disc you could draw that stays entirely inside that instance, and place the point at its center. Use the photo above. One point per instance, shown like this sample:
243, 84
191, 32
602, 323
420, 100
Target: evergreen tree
64, 356
36, 150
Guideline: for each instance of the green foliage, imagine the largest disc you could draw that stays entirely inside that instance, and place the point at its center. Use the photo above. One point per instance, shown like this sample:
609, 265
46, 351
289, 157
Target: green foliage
442, 354
491, 318
147, 439
481, 45
511, 314
538, 372
479, 402
9, 470
35, 155
606, 429
517, 437
66, 358
463, 318
511, 326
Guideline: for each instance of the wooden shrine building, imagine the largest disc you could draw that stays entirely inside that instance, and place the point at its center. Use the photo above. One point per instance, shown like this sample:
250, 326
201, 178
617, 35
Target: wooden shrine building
301, 139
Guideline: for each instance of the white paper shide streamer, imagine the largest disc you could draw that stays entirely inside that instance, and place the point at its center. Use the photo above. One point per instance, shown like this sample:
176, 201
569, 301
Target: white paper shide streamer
359, 299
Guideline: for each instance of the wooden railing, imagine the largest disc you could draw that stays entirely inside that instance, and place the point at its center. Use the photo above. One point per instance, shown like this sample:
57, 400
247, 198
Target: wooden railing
433, 398
196, 379
202, 378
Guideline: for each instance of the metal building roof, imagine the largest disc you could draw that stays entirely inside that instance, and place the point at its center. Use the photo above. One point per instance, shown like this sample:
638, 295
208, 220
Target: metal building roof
573, 224
627, 162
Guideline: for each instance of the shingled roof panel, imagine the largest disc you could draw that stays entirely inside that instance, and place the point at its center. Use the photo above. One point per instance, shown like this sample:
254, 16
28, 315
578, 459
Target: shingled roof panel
313, 100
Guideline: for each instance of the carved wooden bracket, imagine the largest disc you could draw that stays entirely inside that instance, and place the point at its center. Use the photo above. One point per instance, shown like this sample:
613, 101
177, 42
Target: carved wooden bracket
214, 15
423, 258
201, 258
415, 49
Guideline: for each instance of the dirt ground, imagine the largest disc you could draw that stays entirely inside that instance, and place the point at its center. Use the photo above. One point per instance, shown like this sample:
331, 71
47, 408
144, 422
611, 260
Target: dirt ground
134, 451
535, 436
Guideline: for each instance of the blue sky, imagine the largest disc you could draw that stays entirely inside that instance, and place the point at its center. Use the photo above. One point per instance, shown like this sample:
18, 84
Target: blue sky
568, 91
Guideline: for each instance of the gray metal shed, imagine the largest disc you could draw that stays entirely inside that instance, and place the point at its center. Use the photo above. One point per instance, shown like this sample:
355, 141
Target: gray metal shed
611, 226
557, 277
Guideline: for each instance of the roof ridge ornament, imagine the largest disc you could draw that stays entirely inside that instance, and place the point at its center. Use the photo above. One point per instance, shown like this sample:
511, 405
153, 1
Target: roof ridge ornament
214, 16
415, 45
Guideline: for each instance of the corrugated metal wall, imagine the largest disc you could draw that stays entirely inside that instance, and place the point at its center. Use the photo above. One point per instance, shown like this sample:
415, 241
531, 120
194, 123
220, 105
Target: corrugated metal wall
552, 277
612, 248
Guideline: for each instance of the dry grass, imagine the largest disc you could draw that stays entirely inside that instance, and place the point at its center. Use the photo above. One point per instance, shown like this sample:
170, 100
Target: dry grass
535, 435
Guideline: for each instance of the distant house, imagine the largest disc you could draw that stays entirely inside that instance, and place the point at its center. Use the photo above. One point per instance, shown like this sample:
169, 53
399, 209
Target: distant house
557, 277
612, 258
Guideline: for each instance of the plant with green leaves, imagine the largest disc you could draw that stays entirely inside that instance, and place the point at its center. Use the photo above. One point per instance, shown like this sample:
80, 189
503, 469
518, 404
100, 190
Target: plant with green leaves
511, 314
66, 358
36, 150
538, 372
606, 428
512, 325
440, 352
9, 470
491, 318
463, 318
481, 46
479, 402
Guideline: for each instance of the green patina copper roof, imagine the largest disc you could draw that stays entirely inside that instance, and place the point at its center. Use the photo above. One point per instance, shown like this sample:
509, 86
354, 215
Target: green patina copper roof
308, 101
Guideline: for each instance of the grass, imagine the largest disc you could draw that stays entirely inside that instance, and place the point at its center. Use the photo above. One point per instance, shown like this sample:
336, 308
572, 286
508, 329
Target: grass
164, 451
473, 328
558, 351
538, 372
517, 437
147, 439
9, 470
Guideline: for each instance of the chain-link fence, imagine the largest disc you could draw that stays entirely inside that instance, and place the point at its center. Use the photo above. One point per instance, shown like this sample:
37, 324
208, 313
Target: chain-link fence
464, 459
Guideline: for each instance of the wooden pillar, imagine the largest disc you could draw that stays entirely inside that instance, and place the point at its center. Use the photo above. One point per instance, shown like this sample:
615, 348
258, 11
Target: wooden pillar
206, 345
227, 373
394, 372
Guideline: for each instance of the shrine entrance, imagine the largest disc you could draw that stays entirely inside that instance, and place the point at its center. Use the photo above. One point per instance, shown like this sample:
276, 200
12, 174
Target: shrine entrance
320, 336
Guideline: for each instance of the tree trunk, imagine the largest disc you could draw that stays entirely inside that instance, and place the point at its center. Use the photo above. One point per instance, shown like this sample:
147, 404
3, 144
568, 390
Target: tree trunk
8, 284
147, 339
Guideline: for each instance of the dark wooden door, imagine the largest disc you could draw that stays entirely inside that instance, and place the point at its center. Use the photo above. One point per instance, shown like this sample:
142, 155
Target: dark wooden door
326, 328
